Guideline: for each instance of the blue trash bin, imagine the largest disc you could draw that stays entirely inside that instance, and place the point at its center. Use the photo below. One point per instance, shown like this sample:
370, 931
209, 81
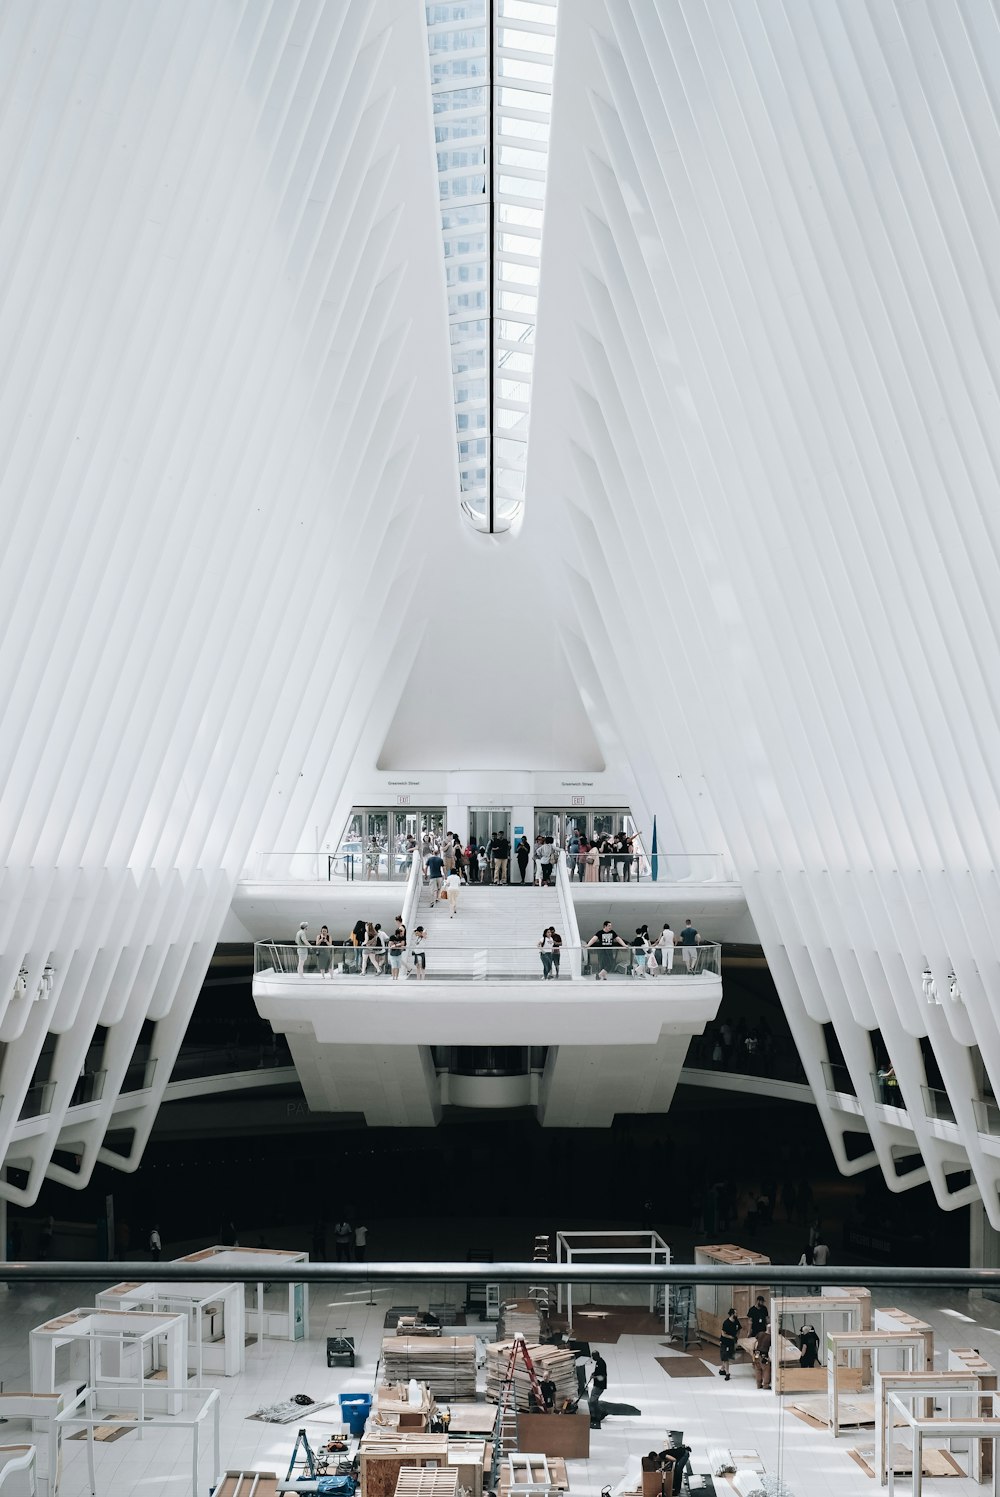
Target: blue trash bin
354, 1409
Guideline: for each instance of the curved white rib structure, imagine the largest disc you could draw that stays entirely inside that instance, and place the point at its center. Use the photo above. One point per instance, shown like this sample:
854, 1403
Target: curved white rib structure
225, 392
767, 374
760, 552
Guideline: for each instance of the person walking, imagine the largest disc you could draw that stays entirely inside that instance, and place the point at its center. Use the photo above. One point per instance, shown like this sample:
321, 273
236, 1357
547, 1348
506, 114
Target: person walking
727, 1342
155, 1245
572, 852
592, 863
372, 950
435, 876
581, 1362
452, 884
523, 855
360, 1244
545, 949
302, 944
556, 950
598, 1387
324, 951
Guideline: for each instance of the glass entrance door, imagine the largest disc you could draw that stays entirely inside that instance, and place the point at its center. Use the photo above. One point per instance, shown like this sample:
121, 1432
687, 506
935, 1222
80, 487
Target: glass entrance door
485, 823
378, 842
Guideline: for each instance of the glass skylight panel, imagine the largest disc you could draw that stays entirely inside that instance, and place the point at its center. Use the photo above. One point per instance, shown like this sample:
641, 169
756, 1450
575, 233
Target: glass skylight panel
491, 80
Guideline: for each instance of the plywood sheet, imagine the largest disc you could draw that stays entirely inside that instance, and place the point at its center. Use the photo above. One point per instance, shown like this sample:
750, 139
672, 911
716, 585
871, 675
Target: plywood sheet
935, 1462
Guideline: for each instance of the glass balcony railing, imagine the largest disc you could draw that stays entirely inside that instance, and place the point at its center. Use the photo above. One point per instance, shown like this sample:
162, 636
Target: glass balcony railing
487, 963
37, 1100
987, 1115
938, 1105
89, 1088
139, 1076
378, 861
838, 1079
886, 1088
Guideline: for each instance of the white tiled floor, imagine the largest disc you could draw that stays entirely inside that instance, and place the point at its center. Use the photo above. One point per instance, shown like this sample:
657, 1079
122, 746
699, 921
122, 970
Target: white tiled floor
710, 1411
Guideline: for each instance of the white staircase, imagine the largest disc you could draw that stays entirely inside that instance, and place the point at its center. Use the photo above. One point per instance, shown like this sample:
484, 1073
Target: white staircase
496, 930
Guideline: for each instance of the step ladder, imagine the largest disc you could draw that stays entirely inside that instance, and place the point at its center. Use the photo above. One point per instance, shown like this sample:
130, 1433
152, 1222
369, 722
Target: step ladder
307, 1459
505, 1425
683, 1316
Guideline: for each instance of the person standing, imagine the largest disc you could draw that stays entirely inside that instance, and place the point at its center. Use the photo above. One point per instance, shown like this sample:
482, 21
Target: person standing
452, 884
155, 1245
472, 863
302, 944
689, 945
762, 1357
484, 866
545, 949
435, 876
598, 1387
501, 859
343, 1237
397, 947
360, 1244
758, 1316
821, 1253
523, 855
556, 950
573, 854
606, 939
592, 863
581, 860
727, 1342
581, 1362
665, 946
324, 951
419, 952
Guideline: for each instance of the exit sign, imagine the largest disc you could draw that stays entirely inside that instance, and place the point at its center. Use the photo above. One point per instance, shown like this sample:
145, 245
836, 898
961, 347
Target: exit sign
578, 800
402, 800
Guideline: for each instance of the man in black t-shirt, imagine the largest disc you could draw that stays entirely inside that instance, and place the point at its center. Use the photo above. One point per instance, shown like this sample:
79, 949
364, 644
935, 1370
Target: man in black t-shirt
757, 1316
605, 940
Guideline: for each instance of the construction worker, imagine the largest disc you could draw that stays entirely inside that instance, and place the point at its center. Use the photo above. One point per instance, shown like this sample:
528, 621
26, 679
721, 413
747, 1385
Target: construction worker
598, 1386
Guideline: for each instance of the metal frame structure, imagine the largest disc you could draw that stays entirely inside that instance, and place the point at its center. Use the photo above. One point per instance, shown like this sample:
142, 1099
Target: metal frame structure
573, 1245
912, 1344
975, 1426
210, 1402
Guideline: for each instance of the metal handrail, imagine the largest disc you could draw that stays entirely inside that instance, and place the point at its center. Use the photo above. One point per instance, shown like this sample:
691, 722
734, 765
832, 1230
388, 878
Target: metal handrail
49, 1271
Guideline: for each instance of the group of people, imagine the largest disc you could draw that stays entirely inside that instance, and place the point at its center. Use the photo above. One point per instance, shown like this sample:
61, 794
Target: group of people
368, 948
608, 859
648, 954
759, 1332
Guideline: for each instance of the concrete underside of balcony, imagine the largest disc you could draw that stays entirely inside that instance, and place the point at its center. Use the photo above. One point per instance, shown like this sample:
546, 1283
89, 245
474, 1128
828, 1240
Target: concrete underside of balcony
365, 1045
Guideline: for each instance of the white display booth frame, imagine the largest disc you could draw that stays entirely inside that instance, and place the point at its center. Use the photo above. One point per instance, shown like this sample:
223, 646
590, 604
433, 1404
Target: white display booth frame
920, 1385
971, 1426
135, 1333
41, 1410
271, 1325
227, 1356
208, 1401
855, 1304
912, 1344
573, 1247
18, 1460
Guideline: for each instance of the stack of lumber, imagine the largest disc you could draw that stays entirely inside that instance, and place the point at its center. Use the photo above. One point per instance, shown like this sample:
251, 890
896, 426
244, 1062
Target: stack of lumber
554, 1362
447, 1364
520, 1317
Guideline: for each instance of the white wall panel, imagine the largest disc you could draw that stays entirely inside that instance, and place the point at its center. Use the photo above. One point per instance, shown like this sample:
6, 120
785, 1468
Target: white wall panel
767, 374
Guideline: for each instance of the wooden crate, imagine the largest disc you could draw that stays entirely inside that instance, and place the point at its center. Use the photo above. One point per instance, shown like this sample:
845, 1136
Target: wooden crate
383, 1454
740, 1296
967, 1359
427, 1481
468, 1458
567, 1435
248, 1484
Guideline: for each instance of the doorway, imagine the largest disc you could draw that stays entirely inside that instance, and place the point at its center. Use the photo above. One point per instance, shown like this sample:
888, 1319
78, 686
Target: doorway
378, 842
560, 823
485, 823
